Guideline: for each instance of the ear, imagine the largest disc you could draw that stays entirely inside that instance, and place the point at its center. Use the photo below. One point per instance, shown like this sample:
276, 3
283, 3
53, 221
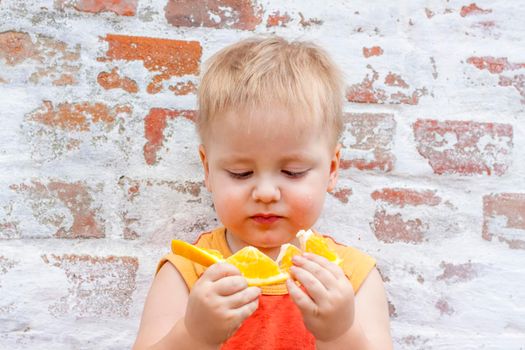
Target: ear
334, 168
205, 166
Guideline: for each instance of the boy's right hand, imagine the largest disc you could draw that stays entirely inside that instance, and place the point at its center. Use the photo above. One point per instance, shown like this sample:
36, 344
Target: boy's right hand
218, 304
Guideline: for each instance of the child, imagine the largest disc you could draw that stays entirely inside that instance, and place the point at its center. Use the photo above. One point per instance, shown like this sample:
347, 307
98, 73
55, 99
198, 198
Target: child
270, 117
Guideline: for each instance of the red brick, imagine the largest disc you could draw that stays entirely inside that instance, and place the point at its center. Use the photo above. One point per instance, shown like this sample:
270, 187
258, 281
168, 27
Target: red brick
184, 88
79, 116
444, 308
391, 228
225, 14
465, 147
16, 47
390, 224
472, 9
517, 82
391, 310
401, 197
154, 125
305, 23
342, 194
395, 80
504, 218
66, 129
9, 229
453, 273
47, 202
275, 19
61, 63
367, 143
372, 51
119, 7
486, 25
134, 187
365, 92
51, 59
98, 286
170, 58
416, 341
494, 65
113, 80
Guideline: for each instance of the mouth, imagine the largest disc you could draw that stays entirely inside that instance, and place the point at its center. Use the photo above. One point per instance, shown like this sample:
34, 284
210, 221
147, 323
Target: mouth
265, 219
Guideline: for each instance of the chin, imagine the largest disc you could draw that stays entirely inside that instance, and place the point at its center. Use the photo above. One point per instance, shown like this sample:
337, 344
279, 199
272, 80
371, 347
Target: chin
272, 243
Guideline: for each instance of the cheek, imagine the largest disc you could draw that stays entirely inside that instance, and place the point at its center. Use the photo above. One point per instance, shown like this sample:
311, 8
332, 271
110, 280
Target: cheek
307, 206
227, 203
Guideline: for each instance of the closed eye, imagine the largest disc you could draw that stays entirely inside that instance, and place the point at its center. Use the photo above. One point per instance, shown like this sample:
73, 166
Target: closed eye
294, 174
242, 175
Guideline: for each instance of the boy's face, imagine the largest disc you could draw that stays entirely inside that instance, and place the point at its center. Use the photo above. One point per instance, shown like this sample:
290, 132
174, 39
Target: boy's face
269, 183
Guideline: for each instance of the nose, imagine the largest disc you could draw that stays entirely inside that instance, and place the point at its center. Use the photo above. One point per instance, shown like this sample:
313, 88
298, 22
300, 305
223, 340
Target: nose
266, 191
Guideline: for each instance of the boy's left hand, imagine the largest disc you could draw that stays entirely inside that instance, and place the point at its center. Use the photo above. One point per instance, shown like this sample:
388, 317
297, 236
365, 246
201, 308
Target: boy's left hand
328, 304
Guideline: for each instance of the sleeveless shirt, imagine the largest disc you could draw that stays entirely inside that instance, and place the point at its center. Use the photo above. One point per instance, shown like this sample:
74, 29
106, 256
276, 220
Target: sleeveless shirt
277, 323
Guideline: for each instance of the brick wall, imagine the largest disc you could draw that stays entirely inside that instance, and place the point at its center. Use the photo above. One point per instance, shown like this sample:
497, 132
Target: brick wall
100, 168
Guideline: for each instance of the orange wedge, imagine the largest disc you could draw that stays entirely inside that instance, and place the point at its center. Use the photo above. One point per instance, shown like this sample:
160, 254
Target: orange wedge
312, 243
284, 259
205, 257
256, 267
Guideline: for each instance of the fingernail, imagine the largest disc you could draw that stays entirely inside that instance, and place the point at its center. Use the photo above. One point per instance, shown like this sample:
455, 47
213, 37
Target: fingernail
296, 258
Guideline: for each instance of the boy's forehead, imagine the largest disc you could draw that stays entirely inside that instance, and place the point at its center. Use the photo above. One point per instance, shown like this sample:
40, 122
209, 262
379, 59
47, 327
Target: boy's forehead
272, 121
237, 140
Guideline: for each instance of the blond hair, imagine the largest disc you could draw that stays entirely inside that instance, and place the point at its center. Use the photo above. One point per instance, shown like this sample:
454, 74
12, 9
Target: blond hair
260, 72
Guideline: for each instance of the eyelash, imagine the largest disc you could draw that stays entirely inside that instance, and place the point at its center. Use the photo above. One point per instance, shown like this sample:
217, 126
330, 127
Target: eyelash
294, 174
240, 176
291, 174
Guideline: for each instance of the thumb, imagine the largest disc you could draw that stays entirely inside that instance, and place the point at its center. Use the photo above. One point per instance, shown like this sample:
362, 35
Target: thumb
220, 270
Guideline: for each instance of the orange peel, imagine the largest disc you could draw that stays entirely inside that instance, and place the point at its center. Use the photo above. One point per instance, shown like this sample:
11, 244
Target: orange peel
204, 257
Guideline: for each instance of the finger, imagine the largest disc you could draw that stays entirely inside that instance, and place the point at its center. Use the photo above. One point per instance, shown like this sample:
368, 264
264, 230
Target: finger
220, 270
315, 289
319, 270
246, 310
324, 262
301, 299
230, 285
237, 316
244, 297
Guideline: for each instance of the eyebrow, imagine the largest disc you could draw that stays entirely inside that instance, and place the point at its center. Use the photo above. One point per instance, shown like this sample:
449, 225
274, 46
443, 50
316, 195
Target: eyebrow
296, 156
235, 159
301, 157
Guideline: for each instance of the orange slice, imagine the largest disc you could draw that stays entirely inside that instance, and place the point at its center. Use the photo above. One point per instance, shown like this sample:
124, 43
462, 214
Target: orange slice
205, 257
312, 243
284, 259
256, 267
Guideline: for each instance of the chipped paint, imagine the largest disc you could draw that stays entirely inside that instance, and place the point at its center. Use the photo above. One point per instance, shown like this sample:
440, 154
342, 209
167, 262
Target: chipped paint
165, 57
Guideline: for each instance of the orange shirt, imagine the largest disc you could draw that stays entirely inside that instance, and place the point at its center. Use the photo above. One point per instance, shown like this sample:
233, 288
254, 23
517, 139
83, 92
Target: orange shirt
277, 323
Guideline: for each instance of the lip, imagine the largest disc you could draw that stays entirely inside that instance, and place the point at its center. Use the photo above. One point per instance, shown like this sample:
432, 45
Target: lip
266, 218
